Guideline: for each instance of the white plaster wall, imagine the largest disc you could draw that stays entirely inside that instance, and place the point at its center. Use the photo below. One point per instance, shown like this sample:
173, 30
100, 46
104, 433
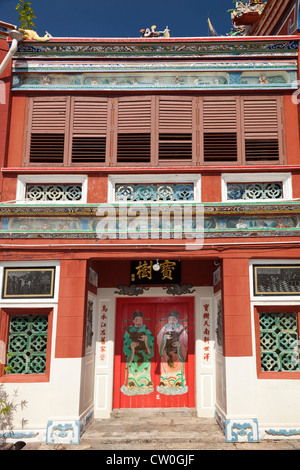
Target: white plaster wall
278, 403
240, 386
220, 383
88, 364
57, 399
220, 372
277, 400
273, 402
87, 383
65, 390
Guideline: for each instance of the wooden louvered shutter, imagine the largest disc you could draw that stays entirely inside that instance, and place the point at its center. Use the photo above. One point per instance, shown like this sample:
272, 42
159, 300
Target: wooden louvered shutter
89, 130
47, 127
262, 129
133, 130
219, 119
176, 129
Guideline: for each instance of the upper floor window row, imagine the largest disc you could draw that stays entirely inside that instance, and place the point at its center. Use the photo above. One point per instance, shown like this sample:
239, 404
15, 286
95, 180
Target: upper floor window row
154, 131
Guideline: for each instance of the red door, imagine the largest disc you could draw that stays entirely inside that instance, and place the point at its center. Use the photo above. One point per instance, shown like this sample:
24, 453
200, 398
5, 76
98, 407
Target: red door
154, 353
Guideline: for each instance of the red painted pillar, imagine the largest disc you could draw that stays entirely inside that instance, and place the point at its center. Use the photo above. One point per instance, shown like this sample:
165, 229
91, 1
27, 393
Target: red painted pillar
70, 335
236, 308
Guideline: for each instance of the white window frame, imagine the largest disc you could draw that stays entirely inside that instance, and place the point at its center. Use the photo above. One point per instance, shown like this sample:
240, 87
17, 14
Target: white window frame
284, 178
23, 180
30, 301
153, 179
271, 299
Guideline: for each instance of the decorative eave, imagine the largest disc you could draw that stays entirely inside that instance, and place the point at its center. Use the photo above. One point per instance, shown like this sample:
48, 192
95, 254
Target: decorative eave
218, 220
140, 169
247, 19
47, 66
171, 48
5, 28
246, 14
274, 13
216, 208
160, 64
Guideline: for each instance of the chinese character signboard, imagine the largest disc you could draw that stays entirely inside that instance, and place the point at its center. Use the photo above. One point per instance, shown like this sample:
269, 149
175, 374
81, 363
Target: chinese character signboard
155, 272
103, 332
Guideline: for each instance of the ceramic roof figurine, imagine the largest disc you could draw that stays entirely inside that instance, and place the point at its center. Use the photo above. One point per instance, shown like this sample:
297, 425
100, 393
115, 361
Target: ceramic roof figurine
151, 33
33, 36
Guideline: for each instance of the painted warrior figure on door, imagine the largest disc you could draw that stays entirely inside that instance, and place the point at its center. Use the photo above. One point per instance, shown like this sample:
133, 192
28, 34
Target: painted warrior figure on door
172, 343
138, 347
154, 353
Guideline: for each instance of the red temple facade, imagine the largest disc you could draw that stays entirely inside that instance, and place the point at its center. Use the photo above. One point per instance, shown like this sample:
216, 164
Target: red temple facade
150, 227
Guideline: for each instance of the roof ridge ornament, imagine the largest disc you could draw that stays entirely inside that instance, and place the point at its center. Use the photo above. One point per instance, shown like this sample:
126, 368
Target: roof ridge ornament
245, 14
151, 33
33, 35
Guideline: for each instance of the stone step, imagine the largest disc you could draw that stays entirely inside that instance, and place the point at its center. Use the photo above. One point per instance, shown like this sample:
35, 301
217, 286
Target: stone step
148, 437
153, 412
163, 427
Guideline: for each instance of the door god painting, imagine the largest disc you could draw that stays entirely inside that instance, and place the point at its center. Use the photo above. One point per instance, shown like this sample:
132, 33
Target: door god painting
138, 347
172, 343
154, 353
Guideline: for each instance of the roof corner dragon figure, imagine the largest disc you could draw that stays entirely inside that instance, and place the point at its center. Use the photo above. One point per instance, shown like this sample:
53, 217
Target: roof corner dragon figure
33, 36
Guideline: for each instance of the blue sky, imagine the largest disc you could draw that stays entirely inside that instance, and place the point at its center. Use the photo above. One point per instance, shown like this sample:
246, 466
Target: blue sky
123, 18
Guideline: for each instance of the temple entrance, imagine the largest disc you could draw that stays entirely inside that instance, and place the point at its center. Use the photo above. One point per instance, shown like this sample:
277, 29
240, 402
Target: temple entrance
154, 353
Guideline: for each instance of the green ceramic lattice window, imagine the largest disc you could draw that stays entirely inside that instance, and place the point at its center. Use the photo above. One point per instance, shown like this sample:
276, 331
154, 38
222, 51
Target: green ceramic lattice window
27, 344
279, 341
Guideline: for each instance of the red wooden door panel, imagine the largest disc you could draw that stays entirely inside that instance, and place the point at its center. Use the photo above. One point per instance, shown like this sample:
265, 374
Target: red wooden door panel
154, 353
